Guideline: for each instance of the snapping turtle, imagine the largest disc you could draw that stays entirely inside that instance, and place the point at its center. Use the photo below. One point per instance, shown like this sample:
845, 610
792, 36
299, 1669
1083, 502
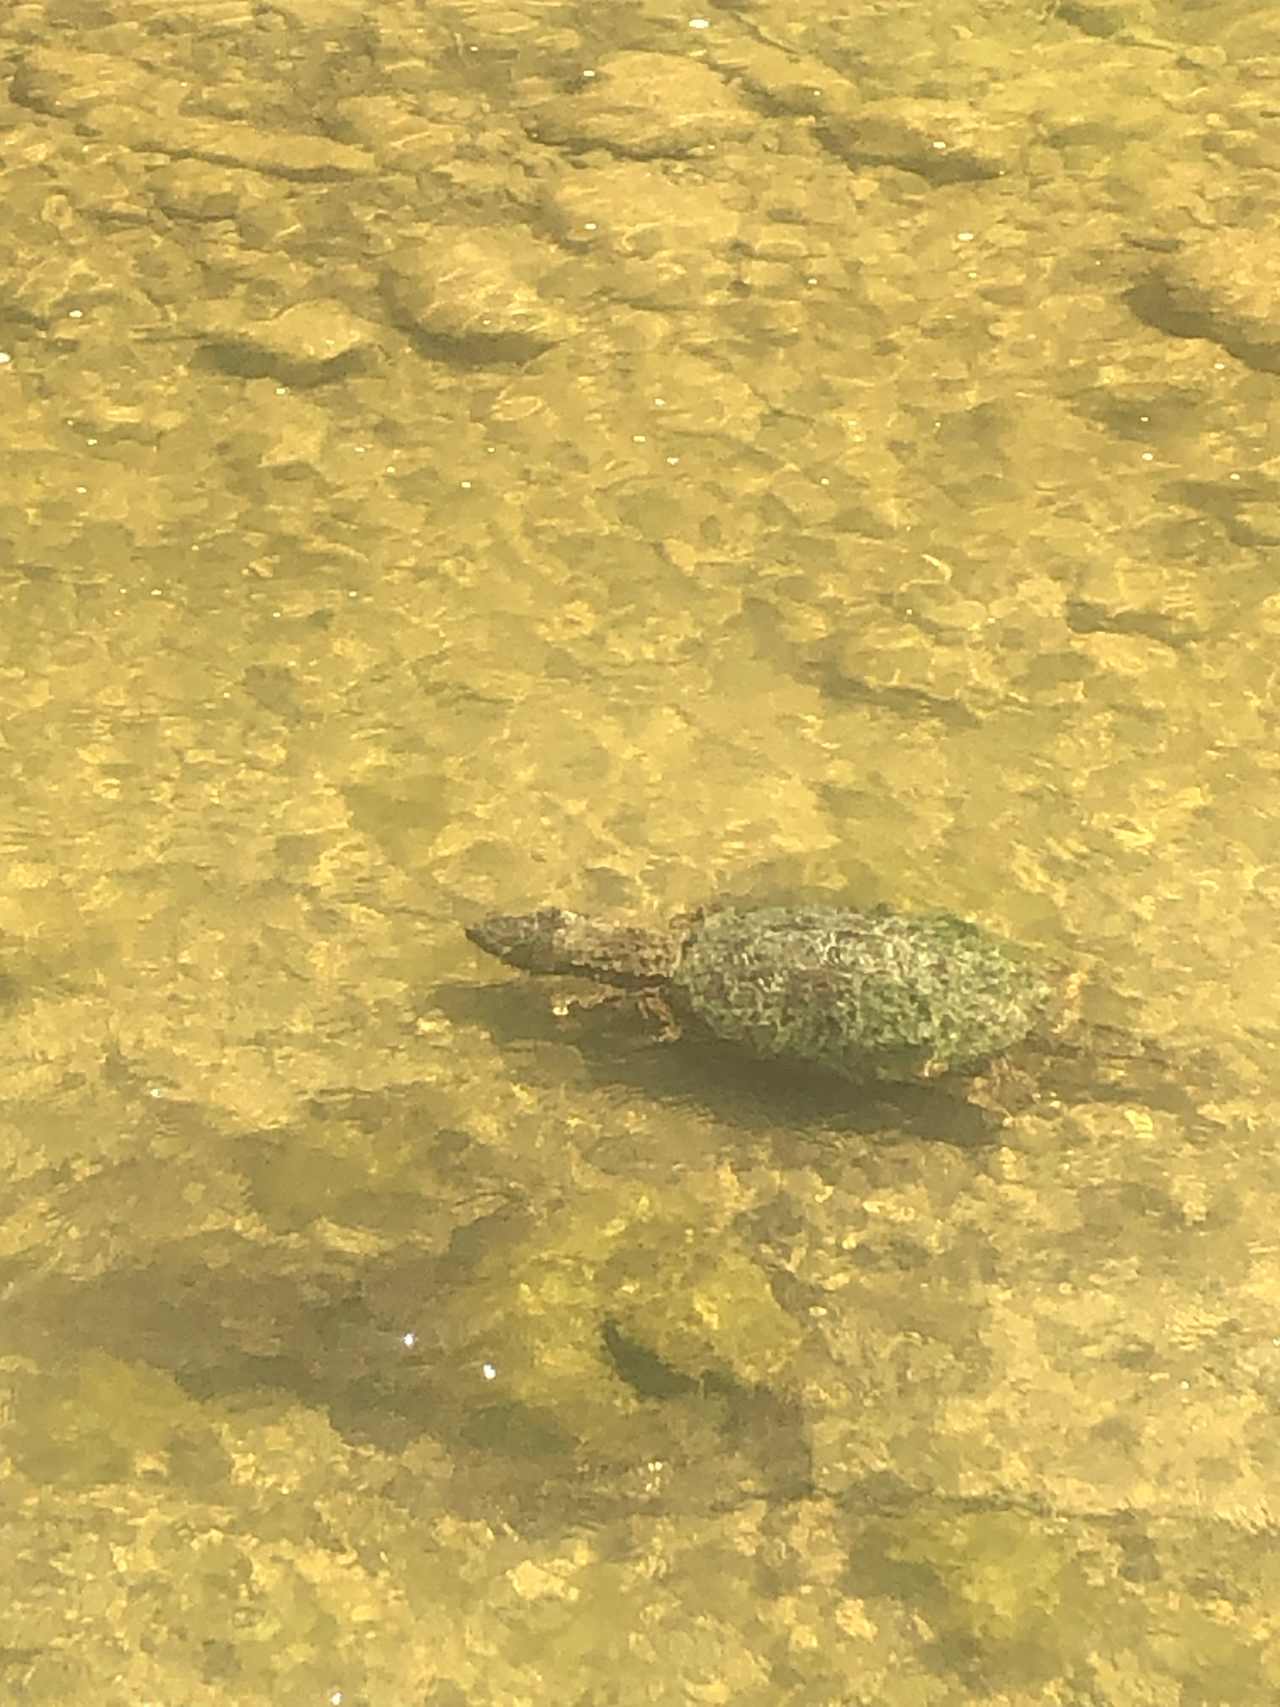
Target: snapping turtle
870, 995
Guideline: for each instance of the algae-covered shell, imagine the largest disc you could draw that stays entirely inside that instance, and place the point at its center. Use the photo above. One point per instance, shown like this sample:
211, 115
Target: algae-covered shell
869, 995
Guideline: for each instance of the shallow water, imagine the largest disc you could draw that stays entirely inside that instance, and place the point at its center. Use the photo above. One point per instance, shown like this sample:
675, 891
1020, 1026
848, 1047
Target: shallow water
820, 460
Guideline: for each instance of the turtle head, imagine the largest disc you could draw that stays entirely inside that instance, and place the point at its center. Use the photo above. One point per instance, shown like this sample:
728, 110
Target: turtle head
553, 940
533, 942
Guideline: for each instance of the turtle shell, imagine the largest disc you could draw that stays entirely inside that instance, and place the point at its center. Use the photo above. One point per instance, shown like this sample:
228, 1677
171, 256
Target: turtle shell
870, 995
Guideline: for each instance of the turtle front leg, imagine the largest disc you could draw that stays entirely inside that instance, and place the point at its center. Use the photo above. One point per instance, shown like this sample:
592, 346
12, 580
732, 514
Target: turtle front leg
654, 1006
563, 1006
658, 1011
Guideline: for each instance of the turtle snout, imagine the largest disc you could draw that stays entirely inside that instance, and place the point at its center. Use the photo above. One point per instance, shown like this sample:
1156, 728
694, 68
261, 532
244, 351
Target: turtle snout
524, 940
500, 934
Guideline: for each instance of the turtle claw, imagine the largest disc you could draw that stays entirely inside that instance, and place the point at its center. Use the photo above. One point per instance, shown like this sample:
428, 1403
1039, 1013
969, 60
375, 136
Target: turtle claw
563, 1006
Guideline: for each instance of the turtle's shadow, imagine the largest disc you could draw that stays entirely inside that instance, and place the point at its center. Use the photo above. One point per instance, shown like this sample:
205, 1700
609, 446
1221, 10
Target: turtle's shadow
615, 1047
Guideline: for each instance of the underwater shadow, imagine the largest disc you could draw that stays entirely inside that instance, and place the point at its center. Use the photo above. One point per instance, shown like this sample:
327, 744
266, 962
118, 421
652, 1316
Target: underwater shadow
612, 1049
